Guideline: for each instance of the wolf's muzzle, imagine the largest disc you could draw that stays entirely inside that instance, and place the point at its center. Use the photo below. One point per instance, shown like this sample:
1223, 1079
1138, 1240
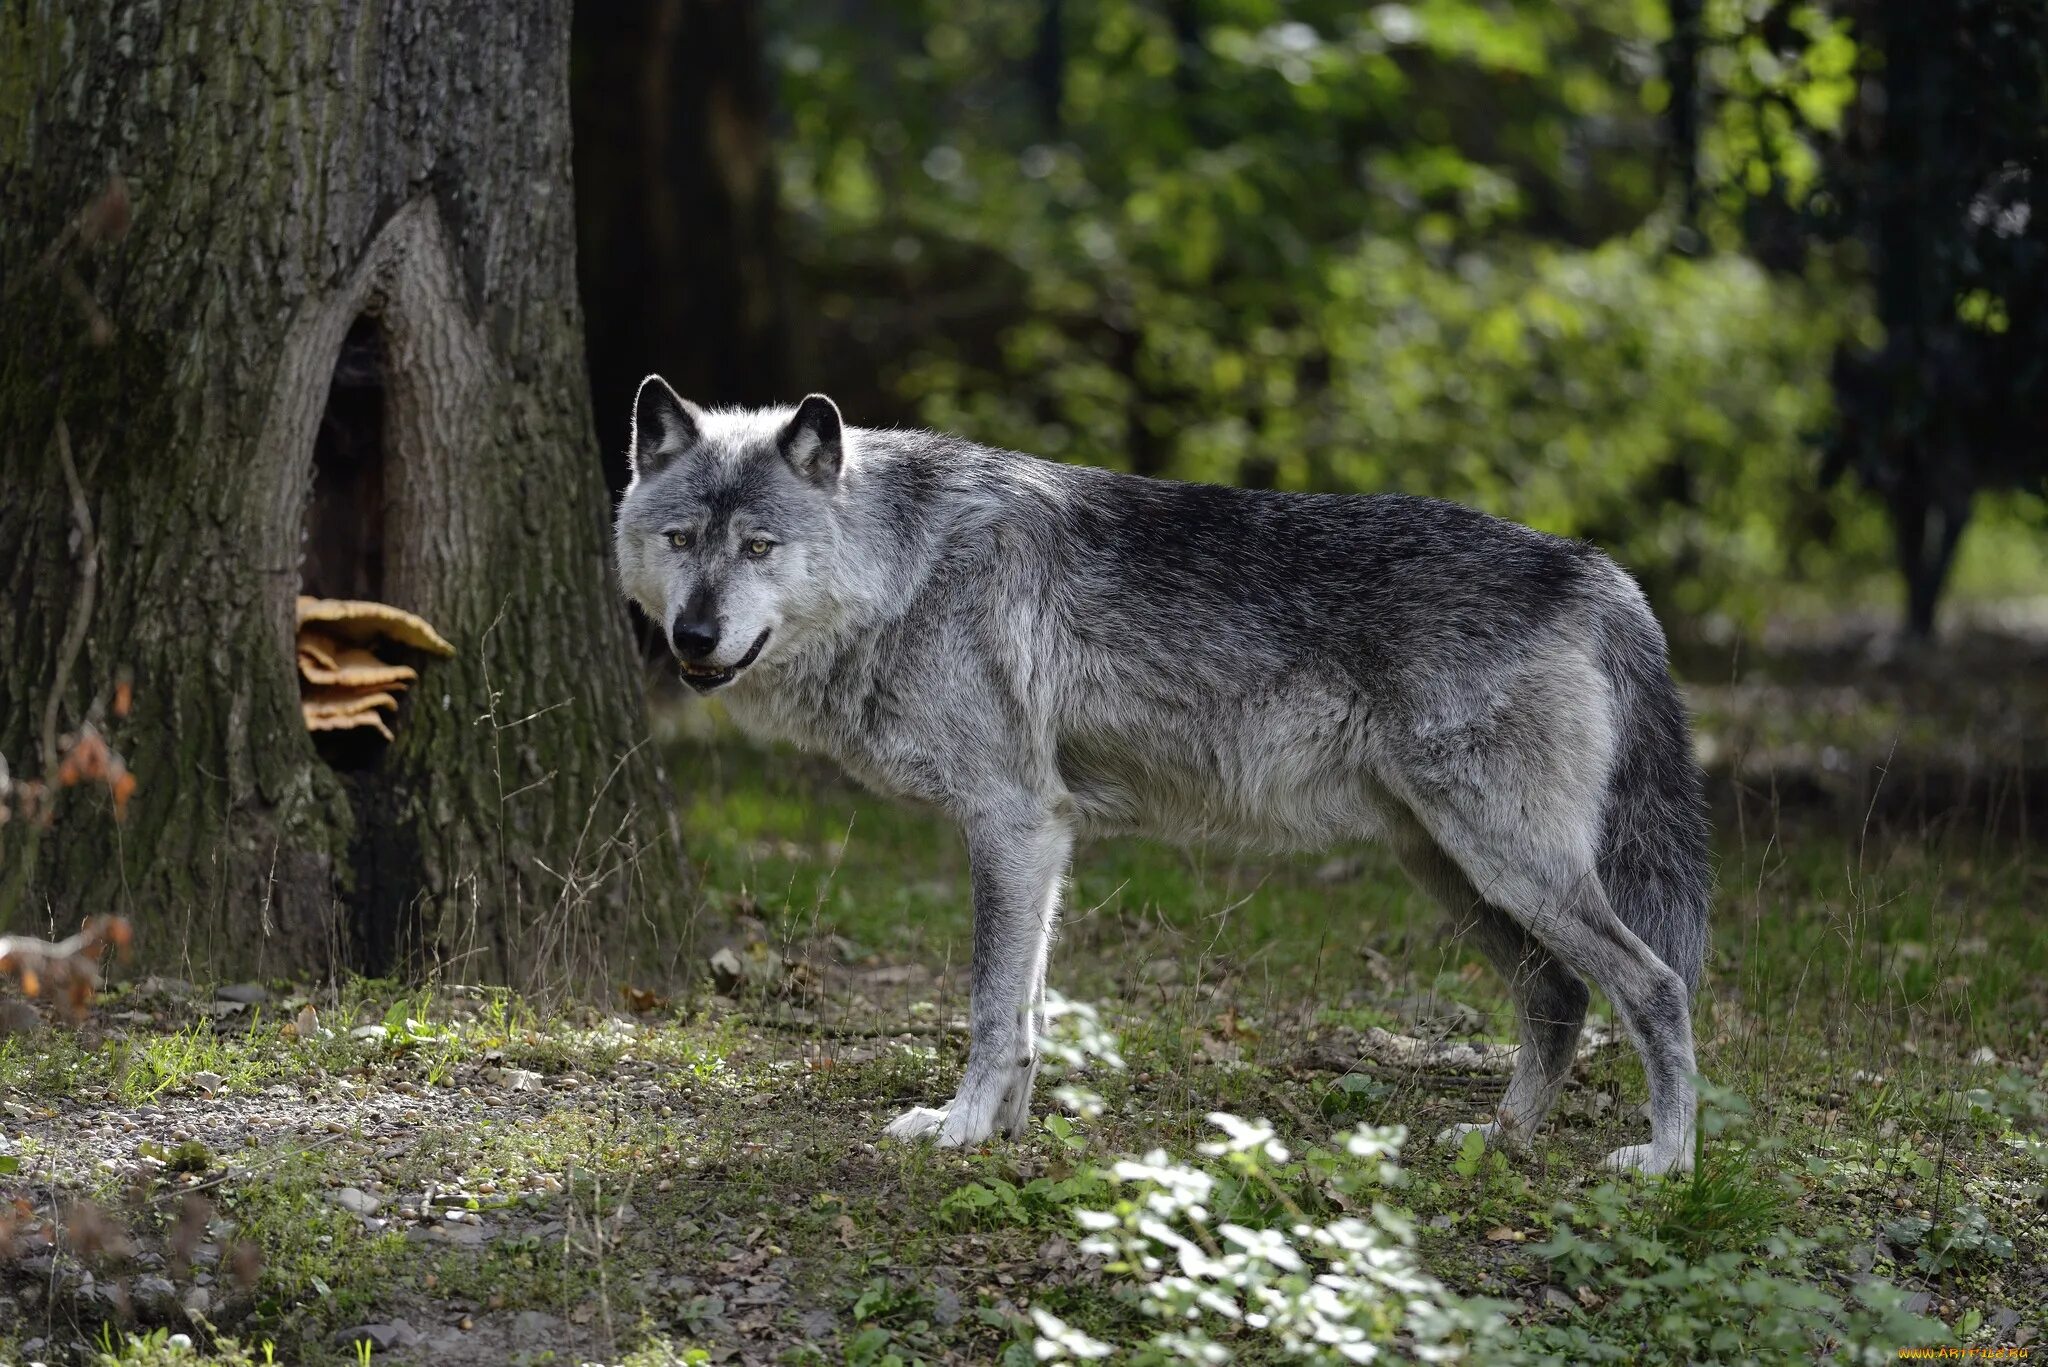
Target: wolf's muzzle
704, 677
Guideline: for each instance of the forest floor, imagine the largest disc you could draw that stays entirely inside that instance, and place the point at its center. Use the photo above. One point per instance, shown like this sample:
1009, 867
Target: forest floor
367, 1172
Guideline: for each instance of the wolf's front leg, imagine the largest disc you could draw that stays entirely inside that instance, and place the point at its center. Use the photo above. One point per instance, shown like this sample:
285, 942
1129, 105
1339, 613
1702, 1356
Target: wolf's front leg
1019, 855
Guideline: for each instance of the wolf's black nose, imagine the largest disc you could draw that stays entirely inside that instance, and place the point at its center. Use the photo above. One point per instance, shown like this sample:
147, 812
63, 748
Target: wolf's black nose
693, 638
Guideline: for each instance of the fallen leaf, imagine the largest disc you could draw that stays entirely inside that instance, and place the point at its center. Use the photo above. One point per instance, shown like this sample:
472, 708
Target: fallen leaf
641, 1002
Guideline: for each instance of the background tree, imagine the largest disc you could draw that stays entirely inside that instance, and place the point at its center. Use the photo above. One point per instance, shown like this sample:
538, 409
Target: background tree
1586, 264
343, 317
1924, 146
1312, 245
678, 246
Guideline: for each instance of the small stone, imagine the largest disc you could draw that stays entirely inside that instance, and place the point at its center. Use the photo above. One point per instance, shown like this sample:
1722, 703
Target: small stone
154, 1296
725, 970
198, 1301
513, 1079
1984, 1056
535, 1326
382, 1337
462, 1236
376, 1033
356, 1201
249, 994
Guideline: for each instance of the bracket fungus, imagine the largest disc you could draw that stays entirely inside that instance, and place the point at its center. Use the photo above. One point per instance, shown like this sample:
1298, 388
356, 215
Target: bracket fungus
344, 683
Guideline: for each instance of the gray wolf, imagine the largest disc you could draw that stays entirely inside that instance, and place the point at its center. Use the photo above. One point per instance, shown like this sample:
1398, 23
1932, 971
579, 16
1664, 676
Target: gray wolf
1048, 652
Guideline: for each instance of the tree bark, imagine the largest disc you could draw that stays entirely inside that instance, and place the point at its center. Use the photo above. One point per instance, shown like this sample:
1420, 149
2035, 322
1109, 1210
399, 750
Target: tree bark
327, 198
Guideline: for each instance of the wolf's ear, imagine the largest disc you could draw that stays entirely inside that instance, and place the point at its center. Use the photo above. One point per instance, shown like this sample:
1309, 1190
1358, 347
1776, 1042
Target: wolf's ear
664, 426
814, 440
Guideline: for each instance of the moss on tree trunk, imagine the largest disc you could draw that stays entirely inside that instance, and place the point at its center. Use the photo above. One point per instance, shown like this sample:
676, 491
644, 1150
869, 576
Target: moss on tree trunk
301, 175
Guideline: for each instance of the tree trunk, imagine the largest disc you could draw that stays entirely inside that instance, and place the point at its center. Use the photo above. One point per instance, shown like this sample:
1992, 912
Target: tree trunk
1049, 67
1682, 52
1927, 531
340, 343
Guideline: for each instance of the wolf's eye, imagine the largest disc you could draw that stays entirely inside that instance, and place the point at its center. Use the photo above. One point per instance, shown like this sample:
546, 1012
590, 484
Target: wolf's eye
680, 540
759, 547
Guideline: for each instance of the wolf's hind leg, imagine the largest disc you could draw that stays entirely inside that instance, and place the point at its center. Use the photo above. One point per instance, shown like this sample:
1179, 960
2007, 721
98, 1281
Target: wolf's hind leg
1546, 880
1550, 999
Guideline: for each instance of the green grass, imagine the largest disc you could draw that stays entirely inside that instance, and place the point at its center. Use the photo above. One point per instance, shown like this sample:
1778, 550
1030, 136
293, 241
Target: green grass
1854, 1127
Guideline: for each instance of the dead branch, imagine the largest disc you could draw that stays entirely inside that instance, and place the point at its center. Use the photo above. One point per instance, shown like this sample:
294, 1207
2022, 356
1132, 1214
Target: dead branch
67, 968
88, 584
1406, 1052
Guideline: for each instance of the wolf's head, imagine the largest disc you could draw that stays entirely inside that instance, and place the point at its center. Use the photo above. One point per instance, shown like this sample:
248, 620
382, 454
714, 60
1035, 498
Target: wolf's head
725, 531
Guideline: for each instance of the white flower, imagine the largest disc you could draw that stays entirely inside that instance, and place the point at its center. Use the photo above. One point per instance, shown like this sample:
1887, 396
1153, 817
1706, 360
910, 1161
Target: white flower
1245, 1137
1075, 1036
1082, 1102
1268, 1244
1056, 1339
1327, 1294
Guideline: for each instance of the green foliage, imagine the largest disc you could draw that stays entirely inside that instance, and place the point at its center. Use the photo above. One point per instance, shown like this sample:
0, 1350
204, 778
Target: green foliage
190, 1156
993, 1202
662, 1353
1725, 1305
1315, 246
1732, 1199
1917, 147
895, 1323
1963, 1237
163, 1348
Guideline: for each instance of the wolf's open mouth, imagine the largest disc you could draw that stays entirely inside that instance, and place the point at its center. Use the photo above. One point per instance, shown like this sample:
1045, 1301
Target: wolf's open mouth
704, 678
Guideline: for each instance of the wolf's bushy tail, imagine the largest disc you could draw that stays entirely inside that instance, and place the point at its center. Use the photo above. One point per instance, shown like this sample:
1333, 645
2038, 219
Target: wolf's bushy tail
1653, 849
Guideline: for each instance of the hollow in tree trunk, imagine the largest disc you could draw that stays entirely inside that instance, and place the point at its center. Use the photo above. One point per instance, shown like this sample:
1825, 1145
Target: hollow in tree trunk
336, 349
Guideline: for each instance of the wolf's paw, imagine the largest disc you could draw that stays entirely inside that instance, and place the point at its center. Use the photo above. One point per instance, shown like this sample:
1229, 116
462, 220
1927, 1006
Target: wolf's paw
1493, 1132
969, 1121
960, 1124
919, 1122
1649, 1160
1013, 1114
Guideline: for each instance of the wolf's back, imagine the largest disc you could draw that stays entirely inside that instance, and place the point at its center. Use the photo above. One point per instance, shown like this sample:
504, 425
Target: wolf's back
1653, 854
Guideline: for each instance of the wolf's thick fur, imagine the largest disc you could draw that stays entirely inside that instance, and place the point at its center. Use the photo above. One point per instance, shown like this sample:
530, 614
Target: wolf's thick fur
1049, 652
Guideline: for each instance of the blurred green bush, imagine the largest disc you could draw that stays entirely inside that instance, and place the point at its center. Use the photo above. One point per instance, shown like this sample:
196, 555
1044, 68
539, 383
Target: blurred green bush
1423, 247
